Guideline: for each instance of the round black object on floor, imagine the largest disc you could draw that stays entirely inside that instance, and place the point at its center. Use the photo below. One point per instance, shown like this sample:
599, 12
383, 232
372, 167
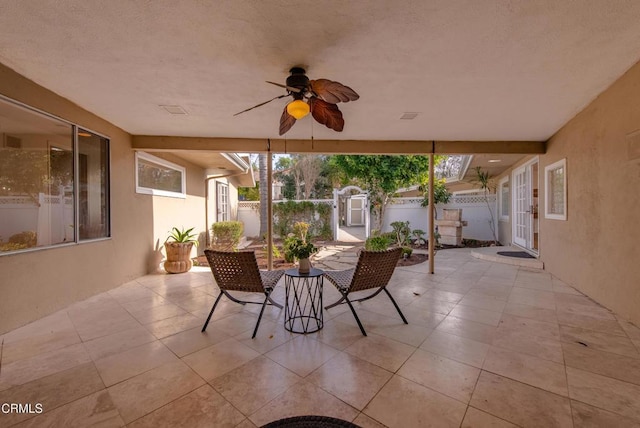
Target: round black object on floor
310, 422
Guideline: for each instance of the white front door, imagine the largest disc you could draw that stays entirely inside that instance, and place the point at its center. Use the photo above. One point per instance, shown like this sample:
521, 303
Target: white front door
525, 206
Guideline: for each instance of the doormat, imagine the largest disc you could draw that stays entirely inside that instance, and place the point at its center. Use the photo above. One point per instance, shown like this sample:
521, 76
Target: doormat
518, 254
311, 422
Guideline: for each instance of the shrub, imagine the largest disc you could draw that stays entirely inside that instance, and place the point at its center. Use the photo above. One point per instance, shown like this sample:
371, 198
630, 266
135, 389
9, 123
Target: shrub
296, 248
28, 238
406, 252
377, 243
301, 229
418, 235
391, 236
8, 246
402, 232
317, 216
275, 251
288, 246
226, 235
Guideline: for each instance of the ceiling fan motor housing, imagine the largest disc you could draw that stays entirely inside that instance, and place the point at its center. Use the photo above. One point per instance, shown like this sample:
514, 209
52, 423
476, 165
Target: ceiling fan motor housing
298, 78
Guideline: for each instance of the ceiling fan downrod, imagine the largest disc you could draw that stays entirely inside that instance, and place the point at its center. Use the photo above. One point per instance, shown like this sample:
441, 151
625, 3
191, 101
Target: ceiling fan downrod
298, 79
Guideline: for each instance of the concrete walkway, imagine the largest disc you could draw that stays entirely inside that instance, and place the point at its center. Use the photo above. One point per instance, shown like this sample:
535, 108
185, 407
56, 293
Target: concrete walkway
352, 234
336, 257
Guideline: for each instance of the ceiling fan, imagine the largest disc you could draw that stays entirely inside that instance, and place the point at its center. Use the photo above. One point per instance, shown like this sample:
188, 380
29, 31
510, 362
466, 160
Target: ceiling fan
316, 96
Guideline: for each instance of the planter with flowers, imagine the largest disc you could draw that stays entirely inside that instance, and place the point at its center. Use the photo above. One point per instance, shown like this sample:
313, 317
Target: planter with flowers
298, 248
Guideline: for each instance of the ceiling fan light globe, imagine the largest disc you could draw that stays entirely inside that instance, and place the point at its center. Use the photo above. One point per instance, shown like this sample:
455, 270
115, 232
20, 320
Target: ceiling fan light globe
298, 109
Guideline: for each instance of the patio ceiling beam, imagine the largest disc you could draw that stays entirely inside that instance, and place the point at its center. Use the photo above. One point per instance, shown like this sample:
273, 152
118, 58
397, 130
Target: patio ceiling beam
395, 147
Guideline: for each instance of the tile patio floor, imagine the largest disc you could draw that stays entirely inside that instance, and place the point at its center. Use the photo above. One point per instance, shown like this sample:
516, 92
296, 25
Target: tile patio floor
487, 345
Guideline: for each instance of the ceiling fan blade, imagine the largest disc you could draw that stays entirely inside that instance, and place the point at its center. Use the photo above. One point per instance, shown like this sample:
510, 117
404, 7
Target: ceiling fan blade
288, 88
286, 121
332, 92
327, 114
261, 104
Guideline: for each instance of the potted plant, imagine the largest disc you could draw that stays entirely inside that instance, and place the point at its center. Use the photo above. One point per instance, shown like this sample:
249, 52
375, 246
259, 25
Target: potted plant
178, 246
297, 248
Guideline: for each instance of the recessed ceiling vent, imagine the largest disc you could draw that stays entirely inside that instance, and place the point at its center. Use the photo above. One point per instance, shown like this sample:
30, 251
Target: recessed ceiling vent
174, 109
409, 115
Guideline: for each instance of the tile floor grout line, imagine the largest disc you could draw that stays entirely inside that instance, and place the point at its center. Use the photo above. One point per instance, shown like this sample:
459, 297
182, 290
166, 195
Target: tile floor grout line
566, 375
526, 384
637, 420
176, 399
495, 416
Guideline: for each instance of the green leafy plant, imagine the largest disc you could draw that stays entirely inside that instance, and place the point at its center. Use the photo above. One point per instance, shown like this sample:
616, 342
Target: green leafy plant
226, 235
275, 251
406, 252
182, 236
440, 193
418, 236
301, 229
377, 243
402, 232
296, 248
316, 215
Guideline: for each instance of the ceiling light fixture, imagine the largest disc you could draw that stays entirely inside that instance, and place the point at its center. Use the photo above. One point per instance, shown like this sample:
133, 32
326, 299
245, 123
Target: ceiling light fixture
494, 160
298, 109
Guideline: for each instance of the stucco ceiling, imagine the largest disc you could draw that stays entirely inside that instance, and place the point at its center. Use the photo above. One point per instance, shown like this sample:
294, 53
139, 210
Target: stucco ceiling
473, 70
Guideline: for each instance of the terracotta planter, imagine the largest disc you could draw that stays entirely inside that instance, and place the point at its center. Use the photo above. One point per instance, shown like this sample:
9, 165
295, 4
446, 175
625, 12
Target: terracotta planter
304, 266
178, 257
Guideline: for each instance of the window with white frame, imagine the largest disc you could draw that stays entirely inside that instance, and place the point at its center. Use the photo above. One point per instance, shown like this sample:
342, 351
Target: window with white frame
556, 190
54, 180
155, 176
223, 201
504, 196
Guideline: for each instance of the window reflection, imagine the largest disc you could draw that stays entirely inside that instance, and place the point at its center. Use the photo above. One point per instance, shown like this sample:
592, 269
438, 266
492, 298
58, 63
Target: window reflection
37, 181
93, 175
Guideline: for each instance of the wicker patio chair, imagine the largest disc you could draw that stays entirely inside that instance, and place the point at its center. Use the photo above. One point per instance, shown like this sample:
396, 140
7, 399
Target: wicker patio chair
374, 270
238, 271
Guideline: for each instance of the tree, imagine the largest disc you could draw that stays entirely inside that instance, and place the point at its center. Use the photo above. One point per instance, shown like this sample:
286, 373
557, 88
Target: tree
29, 172
297, 176
440, 193
304, 176
283, 169
249, 193
383, 175
310, 167
487, 184
262, 169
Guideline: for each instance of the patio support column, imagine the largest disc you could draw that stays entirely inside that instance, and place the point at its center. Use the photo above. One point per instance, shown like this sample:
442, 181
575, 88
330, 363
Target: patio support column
269, 208
432, 238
